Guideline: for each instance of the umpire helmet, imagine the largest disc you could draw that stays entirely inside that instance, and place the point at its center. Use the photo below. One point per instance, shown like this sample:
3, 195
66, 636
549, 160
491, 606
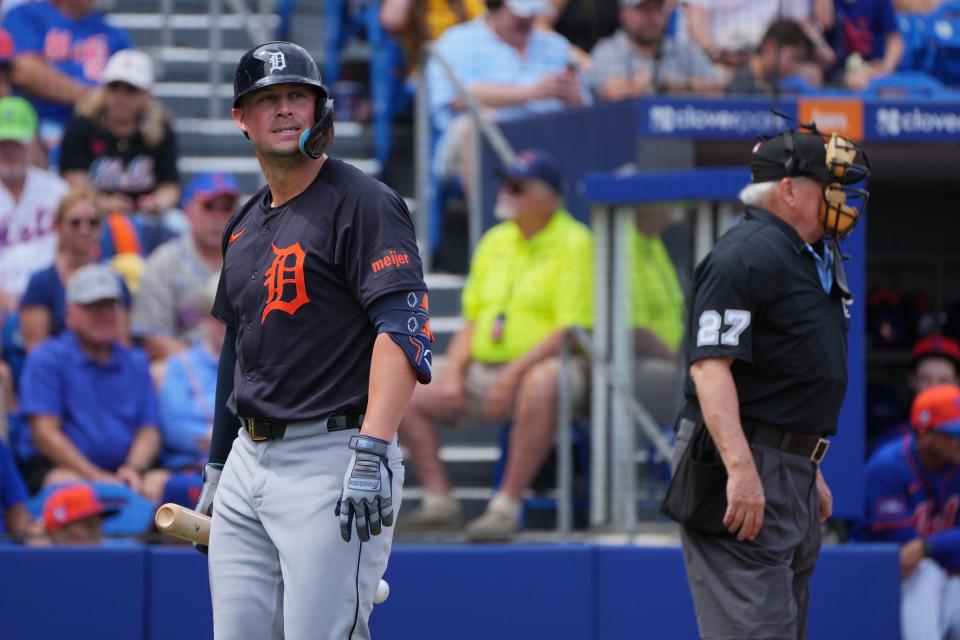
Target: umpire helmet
282, 62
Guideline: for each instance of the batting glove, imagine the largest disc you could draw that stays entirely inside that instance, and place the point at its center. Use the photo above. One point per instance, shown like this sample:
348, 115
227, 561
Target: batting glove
367, 494
211, 477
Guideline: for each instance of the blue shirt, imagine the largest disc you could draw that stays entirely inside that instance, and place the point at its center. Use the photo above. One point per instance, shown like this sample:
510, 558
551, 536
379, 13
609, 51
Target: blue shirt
101, 406
862, 27
45, 289
477, 54
13, 491
904, 501
186, 399
77, 48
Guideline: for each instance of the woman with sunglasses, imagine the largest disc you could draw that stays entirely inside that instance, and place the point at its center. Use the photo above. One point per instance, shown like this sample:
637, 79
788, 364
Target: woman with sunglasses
78, 228
120, 142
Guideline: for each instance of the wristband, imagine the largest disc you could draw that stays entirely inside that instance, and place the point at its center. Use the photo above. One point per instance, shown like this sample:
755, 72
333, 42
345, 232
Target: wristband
369, 444
927, 548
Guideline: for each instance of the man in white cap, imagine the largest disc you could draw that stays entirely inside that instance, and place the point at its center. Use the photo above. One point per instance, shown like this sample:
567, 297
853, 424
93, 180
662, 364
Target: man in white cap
89, 399
508, 66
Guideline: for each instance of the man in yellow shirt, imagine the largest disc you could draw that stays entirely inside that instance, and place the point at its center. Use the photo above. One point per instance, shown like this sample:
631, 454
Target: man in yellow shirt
531, 278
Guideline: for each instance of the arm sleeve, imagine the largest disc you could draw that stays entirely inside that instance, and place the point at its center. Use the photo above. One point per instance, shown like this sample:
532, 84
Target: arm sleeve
888, 18
75, 149
573, 301
607, 65
167, 157
40, 385
153, 308
149, 412
27, 35
889, 514
727, 295
224, 422
945, 549
376, 245
36, 294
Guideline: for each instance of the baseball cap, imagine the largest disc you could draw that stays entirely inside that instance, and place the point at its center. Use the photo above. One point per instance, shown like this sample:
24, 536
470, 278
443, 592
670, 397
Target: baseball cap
535, 164
130, 66
18, 120
527, 8
936, 345
770, 158
68, 504
6, 47
208, 186
937, 408
92, 283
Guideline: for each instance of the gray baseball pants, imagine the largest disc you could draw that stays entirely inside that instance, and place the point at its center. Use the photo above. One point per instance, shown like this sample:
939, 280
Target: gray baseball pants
279, 569
758, 590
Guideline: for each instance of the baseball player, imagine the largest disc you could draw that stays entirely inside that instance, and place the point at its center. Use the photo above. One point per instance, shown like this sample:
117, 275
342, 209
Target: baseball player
326, 311
766, 343
913, 498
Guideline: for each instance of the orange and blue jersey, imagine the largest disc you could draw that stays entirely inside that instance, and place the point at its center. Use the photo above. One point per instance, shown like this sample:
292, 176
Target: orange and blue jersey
905, 500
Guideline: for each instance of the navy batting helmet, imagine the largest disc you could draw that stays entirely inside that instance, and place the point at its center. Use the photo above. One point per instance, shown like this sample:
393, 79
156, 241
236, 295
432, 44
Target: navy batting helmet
285, 63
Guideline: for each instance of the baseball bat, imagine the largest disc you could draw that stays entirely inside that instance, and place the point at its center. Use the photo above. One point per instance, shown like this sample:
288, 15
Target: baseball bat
187, 524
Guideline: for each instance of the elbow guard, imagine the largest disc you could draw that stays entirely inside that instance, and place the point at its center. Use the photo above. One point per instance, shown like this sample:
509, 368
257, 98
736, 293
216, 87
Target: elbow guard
406, 317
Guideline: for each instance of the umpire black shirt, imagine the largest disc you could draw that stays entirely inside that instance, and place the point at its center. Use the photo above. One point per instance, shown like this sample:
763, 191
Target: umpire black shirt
296, 284
758, 299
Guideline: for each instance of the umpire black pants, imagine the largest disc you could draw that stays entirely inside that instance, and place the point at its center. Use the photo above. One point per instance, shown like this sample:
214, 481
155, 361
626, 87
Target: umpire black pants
759, 589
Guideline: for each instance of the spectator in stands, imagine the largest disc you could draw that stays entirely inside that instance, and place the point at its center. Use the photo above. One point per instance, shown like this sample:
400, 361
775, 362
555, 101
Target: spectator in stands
89, 399
784, 52
657, 307
120, 142
913, 498
186, 385
934, 360
508, 66
730, 31
415, 23
165, 312
639, 59
28, 201
15, 520
62, 47
43, 305
73, 516
530, 279
6, 63
867, 39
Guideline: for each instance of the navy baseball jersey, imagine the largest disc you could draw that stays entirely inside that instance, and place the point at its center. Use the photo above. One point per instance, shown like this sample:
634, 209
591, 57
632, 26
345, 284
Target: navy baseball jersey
758, 299
296, 286
904, 500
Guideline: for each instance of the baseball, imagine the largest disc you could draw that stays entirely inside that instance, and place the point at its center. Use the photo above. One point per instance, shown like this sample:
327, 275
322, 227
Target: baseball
383, 592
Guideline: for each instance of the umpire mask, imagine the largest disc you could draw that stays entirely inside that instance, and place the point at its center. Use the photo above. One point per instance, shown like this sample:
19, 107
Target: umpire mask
847, 164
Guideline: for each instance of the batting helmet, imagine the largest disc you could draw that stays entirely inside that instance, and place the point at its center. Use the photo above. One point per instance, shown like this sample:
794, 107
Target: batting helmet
285, 63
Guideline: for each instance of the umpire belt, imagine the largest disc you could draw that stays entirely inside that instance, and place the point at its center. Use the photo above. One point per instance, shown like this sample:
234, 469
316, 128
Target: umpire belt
800, 444
260, 430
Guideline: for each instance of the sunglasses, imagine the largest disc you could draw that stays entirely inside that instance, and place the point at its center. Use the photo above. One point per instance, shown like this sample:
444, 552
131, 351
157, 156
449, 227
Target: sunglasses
516, 188
123, 87
223, 207
76, 223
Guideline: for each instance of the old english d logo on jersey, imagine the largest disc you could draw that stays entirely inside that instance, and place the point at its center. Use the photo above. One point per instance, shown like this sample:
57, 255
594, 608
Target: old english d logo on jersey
286, 290
390, 260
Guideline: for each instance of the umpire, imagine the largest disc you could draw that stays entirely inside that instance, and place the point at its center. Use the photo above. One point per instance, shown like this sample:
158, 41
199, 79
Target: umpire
766, 343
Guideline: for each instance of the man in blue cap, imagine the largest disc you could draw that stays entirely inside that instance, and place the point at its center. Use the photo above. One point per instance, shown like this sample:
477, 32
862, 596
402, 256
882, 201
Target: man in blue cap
165, 314
530, 279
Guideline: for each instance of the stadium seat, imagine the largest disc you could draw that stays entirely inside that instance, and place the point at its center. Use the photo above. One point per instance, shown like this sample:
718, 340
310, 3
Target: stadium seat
943, 43
906, 83
542, 500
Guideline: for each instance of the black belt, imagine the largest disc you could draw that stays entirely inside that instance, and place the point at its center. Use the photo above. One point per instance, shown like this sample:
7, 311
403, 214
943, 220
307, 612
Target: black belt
261, 430
768, 435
